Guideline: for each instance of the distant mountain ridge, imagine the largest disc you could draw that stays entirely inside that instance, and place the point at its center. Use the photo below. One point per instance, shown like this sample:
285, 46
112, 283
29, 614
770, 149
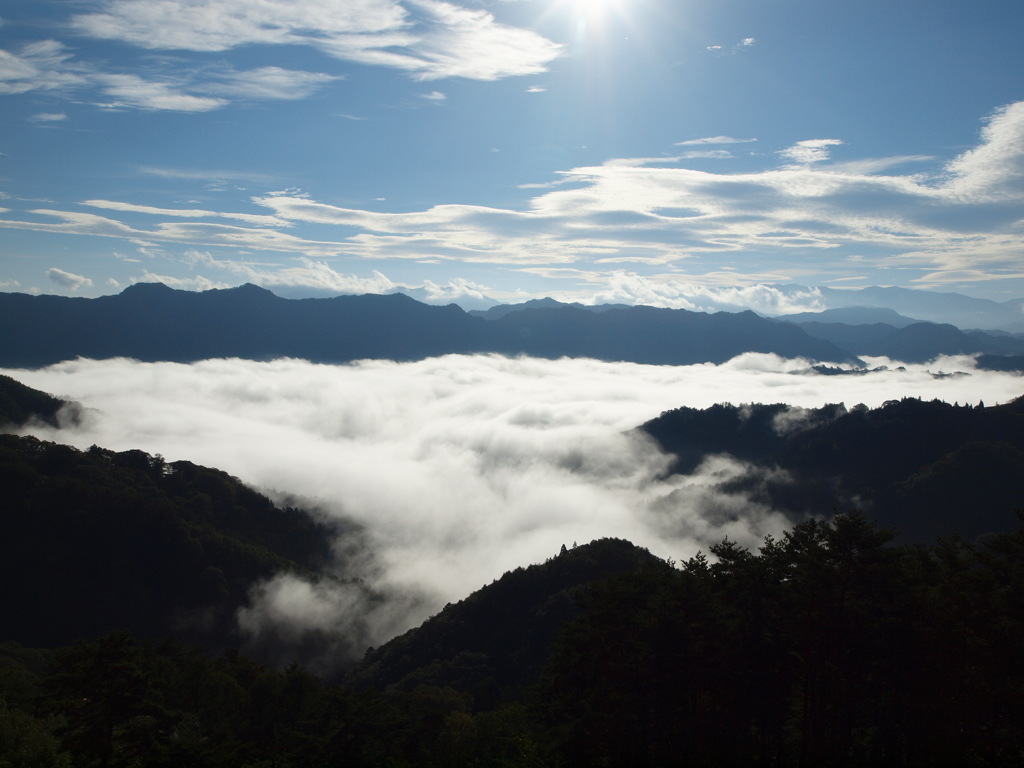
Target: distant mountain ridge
499, 311
911, 342
956, 308
152, 322
851, 316
891, 305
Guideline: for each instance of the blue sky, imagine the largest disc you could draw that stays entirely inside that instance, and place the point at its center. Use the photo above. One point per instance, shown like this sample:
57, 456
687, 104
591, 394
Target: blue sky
644, 151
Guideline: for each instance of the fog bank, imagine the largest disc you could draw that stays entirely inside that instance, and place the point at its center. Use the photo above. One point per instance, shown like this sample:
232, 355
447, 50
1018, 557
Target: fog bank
462, 467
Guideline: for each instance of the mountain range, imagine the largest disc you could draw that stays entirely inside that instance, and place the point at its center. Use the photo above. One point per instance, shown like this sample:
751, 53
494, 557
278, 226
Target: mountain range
929, 306
151, 322
916, 305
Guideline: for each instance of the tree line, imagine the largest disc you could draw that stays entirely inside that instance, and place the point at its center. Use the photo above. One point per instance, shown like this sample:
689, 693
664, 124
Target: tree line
828, 646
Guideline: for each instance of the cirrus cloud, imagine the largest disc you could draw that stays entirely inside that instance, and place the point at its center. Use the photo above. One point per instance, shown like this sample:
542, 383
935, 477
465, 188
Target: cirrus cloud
48, 66
433, 40
957, 225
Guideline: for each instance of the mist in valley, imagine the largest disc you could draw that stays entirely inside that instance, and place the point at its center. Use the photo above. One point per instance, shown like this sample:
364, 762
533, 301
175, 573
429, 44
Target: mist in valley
454, 470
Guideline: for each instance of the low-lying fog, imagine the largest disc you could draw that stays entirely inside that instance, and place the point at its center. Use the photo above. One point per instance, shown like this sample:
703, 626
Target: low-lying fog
462, 467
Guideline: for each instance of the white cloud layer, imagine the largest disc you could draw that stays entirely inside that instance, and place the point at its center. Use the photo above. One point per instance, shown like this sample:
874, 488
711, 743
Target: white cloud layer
67, 280
429, 39
460, 468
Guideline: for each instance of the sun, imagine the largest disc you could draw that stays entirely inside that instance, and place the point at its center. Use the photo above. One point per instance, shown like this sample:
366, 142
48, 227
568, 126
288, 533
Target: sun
594, 23
590, 17
595, 9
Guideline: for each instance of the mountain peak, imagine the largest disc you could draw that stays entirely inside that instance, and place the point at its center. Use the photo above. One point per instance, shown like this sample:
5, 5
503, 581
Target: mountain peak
514, 621
147, 289
251, 288
246, 290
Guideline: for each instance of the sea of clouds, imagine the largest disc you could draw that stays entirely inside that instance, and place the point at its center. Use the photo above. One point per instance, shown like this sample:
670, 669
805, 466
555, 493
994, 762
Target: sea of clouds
460, 468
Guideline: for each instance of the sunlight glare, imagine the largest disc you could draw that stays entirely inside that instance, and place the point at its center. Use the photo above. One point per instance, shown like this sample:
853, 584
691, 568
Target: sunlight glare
595, 9
592, 12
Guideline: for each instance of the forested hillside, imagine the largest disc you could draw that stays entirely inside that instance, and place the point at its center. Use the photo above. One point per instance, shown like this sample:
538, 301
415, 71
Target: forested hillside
20, 404
94, 540
829, 646
924, 468
493, 644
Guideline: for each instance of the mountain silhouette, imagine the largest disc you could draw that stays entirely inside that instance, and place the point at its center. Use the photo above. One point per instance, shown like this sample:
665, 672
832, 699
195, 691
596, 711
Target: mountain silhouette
911, 343
930, 306
653, 335
851, 316
152, 322
95, 540
20, 404
495, 642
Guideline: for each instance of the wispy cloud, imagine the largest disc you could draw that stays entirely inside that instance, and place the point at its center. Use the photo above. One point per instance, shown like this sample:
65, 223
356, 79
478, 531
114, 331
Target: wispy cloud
219, 25
187, 213
429, 39
810, 151
706, 154
961, 220
39, 66
133, 91
462, 42
49, 117
994, 170
267, 83
48, 66
711, 292
209, 175
307, 273
713, 140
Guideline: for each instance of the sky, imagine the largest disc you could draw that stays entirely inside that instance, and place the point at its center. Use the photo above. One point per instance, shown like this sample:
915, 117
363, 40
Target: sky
463, 467
635, 151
